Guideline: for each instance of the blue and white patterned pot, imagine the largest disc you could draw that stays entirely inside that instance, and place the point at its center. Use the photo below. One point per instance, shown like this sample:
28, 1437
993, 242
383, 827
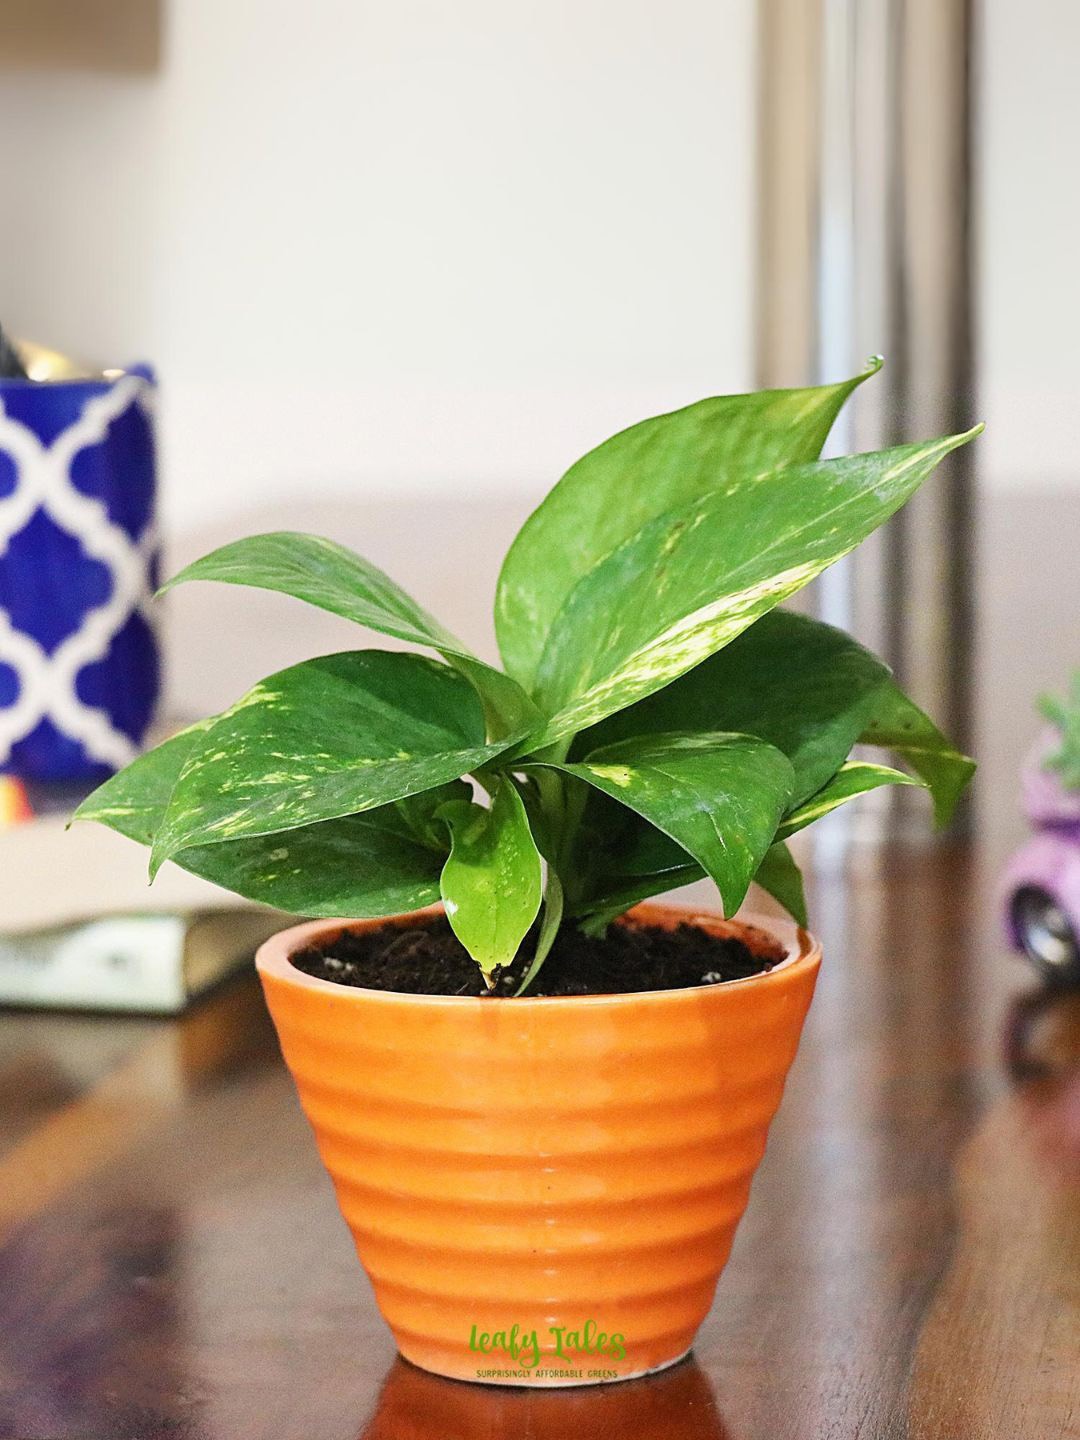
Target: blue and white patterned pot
79, 663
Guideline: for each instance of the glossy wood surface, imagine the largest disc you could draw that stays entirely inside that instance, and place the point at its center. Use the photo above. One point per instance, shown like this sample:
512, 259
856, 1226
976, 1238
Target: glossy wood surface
172, 1263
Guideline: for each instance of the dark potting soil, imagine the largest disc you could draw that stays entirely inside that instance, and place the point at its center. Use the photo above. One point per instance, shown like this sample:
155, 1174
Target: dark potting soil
428, 959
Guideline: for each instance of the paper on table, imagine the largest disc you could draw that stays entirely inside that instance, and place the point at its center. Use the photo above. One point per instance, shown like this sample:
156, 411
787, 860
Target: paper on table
50, 876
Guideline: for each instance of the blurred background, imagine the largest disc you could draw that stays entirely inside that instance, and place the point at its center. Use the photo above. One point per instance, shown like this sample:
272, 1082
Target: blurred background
397, 265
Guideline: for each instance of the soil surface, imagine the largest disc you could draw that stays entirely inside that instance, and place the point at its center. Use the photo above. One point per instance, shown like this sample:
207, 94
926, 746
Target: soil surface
428, 959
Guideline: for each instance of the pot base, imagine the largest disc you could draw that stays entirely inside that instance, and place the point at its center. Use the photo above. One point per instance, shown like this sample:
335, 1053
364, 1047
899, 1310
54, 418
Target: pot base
528, 1381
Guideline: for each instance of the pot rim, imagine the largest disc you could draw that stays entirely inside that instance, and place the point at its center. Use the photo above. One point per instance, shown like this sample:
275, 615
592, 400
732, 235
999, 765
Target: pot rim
801, 951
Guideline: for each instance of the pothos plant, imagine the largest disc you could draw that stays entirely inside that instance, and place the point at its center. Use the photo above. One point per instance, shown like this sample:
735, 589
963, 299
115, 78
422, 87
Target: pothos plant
657, 718
1065, 716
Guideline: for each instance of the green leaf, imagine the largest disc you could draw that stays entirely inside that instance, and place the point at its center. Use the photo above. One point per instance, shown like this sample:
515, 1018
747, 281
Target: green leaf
719, 797
689, 582
419, 813
330, 737
807, 688
666, 462
779, 876
633, 860
595, 916
532, 796
854, 778
554, 904
1064, 715
360, 866
333, 578
618, 858
596, 912
803, 686
133, 801
636, 847
898, 724
509, 713
636, 850
492, 884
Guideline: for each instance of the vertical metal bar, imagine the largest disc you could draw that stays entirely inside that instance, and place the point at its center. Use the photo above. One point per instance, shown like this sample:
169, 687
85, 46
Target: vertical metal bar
836, 261
865, 174
932, 640
834, 594
789, 40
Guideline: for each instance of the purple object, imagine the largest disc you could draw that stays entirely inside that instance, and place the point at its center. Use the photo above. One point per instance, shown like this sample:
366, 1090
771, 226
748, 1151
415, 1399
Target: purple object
1041, 884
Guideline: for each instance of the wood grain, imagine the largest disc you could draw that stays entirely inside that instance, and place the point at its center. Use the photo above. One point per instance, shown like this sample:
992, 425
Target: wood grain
172, 1263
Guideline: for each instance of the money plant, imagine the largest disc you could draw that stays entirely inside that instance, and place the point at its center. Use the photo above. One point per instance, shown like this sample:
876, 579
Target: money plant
1065, 715
656, 718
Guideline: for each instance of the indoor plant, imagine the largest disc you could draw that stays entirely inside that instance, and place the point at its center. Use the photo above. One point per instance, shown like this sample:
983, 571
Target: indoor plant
518, 1170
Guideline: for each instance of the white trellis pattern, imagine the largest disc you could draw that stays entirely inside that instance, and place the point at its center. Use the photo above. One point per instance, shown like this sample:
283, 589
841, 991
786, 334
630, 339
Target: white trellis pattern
43, 481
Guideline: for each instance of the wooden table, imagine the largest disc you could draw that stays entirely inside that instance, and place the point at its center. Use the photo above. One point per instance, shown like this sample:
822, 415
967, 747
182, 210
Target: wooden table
172, 1264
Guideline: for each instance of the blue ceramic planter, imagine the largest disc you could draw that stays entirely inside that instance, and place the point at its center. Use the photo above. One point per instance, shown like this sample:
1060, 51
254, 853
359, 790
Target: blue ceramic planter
79, 664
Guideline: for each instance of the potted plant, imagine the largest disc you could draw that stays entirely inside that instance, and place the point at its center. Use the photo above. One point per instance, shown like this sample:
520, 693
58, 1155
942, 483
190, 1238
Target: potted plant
542, 1103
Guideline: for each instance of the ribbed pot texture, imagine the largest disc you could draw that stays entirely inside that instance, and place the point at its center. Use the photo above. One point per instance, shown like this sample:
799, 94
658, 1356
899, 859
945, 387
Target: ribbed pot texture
543, 1191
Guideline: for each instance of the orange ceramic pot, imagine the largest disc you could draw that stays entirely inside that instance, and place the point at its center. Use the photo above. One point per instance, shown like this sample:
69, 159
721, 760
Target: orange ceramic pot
544, 1191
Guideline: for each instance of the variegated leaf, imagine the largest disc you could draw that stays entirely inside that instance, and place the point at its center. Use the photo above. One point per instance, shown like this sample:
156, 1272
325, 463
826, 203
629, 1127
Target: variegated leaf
806, 687
554, 891
617, 858
689, 582
361, 866
854, 778
595, 915
897, 724
632, 860
779, 876
719, 797
554, 908
380, 863
492, 882
133, 801
329, 576
330, 737
662, 463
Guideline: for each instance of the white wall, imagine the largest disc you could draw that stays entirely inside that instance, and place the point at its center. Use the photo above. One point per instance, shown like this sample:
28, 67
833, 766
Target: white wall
376, 248
1028, 229
386, 247
79, 175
